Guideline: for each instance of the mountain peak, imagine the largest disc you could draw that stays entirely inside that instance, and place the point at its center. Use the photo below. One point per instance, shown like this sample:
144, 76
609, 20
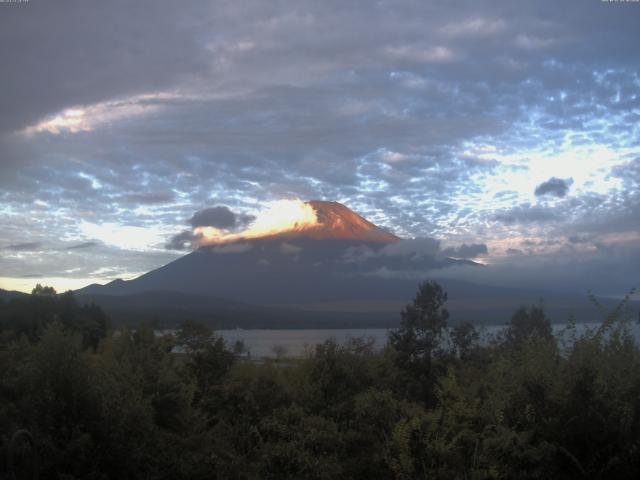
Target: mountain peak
335, 221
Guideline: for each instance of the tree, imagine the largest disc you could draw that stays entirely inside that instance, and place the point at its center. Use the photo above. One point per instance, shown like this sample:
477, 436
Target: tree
43, 291
94, 325
239, 347
209, 360
464, 336
333, 375
420, 335
422, 324
526, 323
279, 351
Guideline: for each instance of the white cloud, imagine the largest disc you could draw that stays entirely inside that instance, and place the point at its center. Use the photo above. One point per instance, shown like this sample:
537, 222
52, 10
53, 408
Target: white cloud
474, 27
86, 118
532, 42
259, 103
422, 54
126, 237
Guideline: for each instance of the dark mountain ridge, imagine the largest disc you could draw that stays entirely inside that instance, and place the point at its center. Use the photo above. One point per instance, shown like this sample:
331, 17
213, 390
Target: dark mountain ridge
10, 294
339, 269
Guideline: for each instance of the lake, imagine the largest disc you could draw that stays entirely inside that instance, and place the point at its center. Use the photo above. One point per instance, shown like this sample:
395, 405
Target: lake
296, 343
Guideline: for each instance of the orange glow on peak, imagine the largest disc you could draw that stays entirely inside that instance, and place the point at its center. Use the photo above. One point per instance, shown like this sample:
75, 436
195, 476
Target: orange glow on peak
279, 217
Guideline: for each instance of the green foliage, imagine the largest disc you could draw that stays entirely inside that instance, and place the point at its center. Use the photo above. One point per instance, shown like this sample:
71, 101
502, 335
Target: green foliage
334, 374
526, 323
465, 338
208, 359
31, 316
419, 339
300, 445
43, 291
422, 324
131, 404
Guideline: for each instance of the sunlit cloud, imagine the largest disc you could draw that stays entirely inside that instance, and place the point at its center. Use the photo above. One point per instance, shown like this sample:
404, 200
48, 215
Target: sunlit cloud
278, 217
438, 121
86, 118
589, 166
126, 237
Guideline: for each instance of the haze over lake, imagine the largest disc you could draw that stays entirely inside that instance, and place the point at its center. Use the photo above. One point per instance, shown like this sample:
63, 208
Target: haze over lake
300, 342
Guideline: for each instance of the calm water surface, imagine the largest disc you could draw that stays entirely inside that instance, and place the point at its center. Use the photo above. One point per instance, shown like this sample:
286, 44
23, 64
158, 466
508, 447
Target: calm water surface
296, 343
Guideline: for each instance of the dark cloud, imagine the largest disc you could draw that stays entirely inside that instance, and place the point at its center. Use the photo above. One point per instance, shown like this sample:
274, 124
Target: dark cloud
629, 171
527, 214
556, 187
467, 251
149, 198
404, 113
82, 246
414, 247
607, 271
24, 247
219, 217
369, 261
576, 239
185, 240
86, 52
411, 257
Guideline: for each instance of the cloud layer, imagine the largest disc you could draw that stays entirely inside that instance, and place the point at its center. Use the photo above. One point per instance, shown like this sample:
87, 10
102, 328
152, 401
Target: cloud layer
458, 122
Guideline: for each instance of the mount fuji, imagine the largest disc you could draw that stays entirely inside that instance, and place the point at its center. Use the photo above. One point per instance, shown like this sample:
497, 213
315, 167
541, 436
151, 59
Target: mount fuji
338, 270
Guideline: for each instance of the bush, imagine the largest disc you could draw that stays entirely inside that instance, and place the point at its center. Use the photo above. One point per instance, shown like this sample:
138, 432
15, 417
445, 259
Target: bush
130, 404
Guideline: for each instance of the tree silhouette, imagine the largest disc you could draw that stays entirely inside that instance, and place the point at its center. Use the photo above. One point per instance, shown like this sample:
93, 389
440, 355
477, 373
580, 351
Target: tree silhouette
526, 323
43, 291
422, 324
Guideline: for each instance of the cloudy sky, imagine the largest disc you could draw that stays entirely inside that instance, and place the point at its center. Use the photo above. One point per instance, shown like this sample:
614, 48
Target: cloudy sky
515, 125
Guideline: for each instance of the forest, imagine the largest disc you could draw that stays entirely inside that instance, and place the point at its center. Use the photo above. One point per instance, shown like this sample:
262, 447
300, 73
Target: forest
437, 402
